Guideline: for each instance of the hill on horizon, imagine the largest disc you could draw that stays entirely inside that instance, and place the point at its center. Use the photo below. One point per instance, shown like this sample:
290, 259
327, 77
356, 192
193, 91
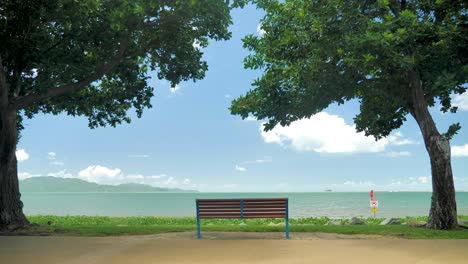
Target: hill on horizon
56, 184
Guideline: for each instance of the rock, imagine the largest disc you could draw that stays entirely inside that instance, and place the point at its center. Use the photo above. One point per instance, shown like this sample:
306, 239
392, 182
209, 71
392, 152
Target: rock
50, 222
356, 221
415, 223
335, 222
391, 221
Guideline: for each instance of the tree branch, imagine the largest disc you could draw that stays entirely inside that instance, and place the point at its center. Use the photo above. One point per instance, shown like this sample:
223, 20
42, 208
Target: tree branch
394, 8
18, 84
25, 101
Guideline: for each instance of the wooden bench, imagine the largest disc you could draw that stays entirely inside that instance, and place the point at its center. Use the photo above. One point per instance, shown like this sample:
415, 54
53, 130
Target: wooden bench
242, 208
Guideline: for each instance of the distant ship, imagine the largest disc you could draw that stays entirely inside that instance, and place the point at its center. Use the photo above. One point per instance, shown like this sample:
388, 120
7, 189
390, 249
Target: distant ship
328, 190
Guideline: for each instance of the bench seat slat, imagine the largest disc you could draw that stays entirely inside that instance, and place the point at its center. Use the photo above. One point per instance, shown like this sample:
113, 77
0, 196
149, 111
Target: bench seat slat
217, 217
264, 202
245, 216
245, 208
264, 206
233, 210
218, 206
262, 210
265, 212
265, 216
245, 212
219, 203
221, 215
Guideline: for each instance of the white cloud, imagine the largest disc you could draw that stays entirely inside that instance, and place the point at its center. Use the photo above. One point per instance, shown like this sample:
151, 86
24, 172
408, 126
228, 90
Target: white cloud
51, 156
260, 31
34, 73
100, 174
175, 88
104, 175
360, 183
170, 181
266, 159
240, 168
227, 96
25, 175
397, 139
157, 176
326, 133
409, 184
323, 133
423, 179
460, 151
21, 155
140, 176
397, 154
197, 45
135, 177
250, 118
139, 156
60, 174
461, 100
114, 176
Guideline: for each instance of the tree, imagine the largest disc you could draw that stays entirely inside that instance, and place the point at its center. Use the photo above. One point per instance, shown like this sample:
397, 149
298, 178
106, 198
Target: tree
397, 58
92, 58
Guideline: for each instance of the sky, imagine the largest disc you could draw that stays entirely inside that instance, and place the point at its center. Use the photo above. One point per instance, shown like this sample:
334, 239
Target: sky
190, 140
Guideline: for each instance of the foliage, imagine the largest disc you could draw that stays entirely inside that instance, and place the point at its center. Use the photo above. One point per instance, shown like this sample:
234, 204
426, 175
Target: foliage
92, 57
316, 53
104, 226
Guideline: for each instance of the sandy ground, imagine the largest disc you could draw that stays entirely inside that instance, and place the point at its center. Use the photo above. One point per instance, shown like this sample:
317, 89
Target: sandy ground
219, 247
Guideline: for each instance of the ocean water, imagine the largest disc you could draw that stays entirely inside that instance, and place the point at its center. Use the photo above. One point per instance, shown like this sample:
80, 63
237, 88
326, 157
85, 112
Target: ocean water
391, 204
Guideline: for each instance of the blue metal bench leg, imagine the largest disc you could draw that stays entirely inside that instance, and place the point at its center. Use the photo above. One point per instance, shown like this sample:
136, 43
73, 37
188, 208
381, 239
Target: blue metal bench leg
287, 220
198, 228
198, 223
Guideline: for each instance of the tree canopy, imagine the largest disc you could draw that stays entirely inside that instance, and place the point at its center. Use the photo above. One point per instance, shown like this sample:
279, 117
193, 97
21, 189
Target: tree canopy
318, 52
92, 57
396, 57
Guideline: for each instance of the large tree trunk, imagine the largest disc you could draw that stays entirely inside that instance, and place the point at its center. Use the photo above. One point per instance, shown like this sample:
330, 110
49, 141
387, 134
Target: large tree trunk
443, 212
11, 207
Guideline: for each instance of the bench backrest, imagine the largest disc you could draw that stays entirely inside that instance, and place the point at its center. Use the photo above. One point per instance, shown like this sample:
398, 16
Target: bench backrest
242, 208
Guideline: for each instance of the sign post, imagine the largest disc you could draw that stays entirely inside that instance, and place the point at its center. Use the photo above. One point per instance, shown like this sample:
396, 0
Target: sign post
374, 204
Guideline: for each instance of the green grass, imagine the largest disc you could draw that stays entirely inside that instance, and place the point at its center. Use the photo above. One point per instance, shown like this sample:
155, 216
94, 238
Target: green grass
110, 226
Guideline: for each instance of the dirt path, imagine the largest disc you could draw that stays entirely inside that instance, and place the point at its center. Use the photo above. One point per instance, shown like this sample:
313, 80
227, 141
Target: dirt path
219, 247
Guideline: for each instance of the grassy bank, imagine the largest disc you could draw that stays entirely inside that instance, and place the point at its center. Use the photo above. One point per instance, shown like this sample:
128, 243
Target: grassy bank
108, 226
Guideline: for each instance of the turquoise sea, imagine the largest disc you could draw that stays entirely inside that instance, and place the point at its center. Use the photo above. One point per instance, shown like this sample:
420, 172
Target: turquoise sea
332, 204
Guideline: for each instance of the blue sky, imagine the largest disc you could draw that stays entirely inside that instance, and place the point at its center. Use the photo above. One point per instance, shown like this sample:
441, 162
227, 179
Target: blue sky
189, 140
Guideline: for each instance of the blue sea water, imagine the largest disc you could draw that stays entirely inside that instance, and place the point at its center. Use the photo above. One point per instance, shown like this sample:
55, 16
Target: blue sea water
332, 204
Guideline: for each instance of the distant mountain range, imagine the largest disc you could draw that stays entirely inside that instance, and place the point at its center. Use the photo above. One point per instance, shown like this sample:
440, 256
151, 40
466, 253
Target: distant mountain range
55, 184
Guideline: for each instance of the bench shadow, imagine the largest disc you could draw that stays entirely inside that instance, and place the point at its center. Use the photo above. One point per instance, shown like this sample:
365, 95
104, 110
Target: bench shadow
241, 235
213, 235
